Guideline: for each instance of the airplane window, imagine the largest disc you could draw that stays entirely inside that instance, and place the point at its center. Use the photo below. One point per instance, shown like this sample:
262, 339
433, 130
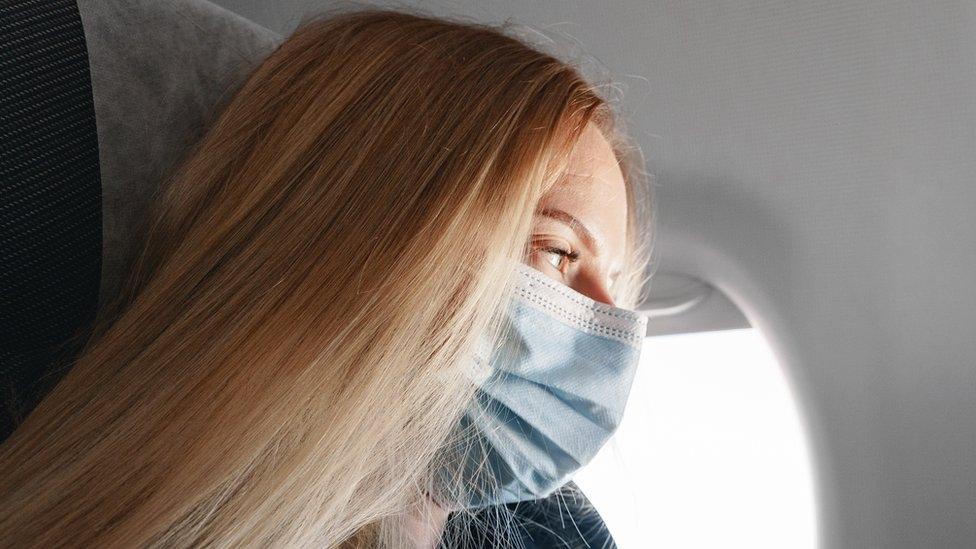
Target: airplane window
710, 453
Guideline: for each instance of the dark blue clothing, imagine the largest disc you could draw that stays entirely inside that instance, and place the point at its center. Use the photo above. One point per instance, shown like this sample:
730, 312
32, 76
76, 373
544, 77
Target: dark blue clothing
566, 519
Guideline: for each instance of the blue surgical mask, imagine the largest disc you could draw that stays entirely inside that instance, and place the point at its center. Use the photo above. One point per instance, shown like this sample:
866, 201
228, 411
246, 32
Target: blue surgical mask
555, 392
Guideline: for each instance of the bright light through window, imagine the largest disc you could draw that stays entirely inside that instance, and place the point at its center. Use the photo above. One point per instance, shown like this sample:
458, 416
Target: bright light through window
710, 452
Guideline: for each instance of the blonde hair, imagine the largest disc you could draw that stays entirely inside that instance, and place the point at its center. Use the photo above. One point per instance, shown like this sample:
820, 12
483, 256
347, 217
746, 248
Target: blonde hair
287, 354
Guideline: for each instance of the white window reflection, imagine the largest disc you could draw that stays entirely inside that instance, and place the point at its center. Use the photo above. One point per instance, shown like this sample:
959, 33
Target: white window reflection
710, 453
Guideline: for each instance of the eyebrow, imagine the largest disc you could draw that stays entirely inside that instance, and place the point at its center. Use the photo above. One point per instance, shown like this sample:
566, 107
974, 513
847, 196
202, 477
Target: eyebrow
575, 224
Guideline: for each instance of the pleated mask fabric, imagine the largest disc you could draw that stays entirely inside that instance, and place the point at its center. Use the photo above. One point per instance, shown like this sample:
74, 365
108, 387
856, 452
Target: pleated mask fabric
555, 392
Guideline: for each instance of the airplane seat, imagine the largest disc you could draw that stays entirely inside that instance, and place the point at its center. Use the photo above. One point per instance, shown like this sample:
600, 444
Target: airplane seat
101, 99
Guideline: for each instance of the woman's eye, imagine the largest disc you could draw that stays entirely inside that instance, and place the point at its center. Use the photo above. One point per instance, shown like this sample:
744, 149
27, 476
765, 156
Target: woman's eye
557, 256
555, 259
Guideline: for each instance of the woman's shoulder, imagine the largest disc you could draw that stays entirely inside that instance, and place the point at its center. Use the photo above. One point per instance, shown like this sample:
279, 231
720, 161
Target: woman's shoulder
566, 519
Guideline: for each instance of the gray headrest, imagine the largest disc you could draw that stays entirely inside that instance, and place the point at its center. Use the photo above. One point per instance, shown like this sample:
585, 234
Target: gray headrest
161, 72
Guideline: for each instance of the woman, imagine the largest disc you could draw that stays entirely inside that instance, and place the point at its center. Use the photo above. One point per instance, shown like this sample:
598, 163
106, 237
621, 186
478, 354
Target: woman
306, 327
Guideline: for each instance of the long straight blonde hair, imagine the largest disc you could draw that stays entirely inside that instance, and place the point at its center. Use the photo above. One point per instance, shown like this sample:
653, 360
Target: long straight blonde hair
288, 352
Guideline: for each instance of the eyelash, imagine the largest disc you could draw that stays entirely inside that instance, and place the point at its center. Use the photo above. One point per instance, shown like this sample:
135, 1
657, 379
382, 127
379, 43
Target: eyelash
572, 257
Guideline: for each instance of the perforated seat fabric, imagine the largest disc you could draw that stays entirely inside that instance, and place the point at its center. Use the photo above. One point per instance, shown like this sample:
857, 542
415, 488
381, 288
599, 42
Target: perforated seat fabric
50, 211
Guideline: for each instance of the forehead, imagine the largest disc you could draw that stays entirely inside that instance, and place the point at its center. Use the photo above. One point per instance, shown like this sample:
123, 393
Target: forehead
593, 190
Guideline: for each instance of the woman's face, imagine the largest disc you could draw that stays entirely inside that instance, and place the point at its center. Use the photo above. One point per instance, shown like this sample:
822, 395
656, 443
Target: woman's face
580, 226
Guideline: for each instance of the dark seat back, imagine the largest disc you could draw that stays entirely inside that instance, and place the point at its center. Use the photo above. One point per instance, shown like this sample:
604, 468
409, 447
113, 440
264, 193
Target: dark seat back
50, 196
99, 100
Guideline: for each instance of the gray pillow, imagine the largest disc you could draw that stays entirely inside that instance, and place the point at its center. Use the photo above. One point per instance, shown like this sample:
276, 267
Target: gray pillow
161, 72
